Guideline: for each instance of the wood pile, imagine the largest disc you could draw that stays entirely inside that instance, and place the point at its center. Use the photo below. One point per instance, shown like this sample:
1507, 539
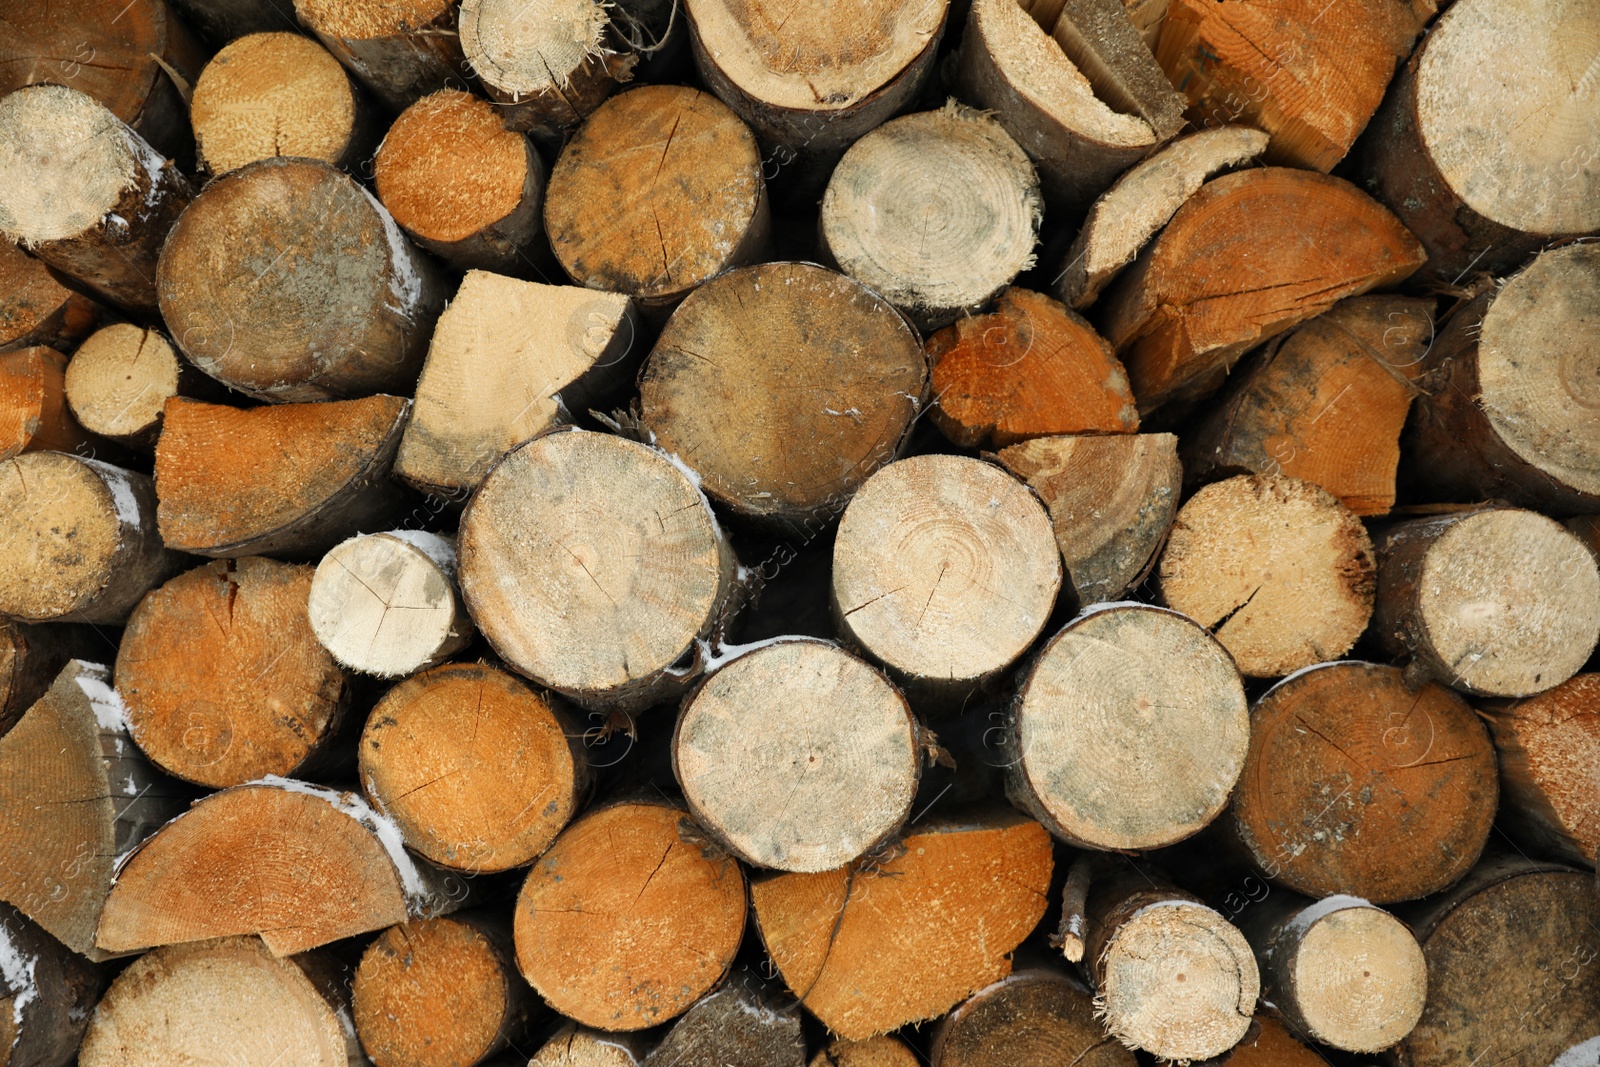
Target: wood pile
723, 533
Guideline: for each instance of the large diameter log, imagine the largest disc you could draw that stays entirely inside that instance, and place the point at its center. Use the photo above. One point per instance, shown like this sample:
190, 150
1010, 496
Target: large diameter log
878, 1051
1511, 971
288, 281
1355, 784
36, 308
1497, 425
579, 1046
763, 358
1199, 296
34, 413
32, 656
85, 193
1129, 731
797, 756
1498, 602
628, 918
1276, 568
223, 678
119, 382
593, 565
75, 798
1325, 403
945, 571
300, 477
216, 1000
743, 1024
47, 993
478, 770
297, 864
1111, 501
1549, 749
1035, 1015
937, 211
881, 943
399, 51
1452, 150
78, 540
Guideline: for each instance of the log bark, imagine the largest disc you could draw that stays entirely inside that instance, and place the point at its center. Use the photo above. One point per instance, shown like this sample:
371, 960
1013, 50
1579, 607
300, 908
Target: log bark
624, 220
572, 574
797, 756
1111, 502
441, 991
627, 920
945, 571
78, 540
86, 194
763, 357
478, 771
1029, 369
230, 997
1497, 602
36, 308
221, 21
509, 360
1111, 755
299, 865
400, 52
904, 937
302, 477
462, 185
47, 993
1079, 142
279, 94
873, 1052
32, 656
1325, 403
1495, 424
34, 414
75, 797
1549, 749
1357, 785
1199, 296
119, 382
288, 281
1450, 151
224, 680
1275, 567
743, 1024
577, 1046
952, 175
1036, 1015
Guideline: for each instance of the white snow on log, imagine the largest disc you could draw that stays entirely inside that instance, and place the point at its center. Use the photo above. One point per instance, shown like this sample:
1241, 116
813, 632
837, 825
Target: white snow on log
17, 971
109, 710
711, 659
120, 483
437, 547
1586, 1054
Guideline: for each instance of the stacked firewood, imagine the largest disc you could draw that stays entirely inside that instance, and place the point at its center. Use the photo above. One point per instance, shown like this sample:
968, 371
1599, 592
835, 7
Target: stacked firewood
725, 533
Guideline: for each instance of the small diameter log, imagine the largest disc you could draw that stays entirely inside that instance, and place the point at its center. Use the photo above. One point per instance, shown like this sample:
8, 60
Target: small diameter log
740, 1025
1142, 201
624, 219
387, 604
1498, 425
278, 94
1247, 257
1340, 971
627, 919
1276, 568
1029, 369
945, 570
399, 51
1111, 501
288, 281
119, 382
593, 565
32, 656
1034, 1016
462, 185
224, 680
1324, 403
578, 1046
761, 359
36, 308
78, 540
299, 865
299, 478
478, 770
937, 211
1079, 143
441, 992
509, 360
221, 1001
34, 414
1549, 749
1355, 784
86, 194
1308, 75
1511, 969
872, 1052
1498, 602
47, 992
1129, 731
903, 938
797, 756
75, 797
1451, 151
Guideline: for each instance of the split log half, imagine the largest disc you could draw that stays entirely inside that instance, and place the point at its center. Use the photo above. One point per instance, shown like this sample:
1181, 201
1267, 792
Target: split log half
400, 51
36, 308
740, 1025
119, 382
1034, 1016
1549, 749
34, 413
47, 993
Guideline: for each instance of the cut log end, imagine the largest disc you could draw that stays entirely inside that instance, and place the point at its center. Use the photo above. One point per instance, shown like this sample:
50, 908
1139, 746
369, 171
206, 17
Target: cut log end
1357, 976
743, 1022
119, 381
550, 60
1035, 1016
36, 308
873, 1052
577, 1046
34, 411
1549, 748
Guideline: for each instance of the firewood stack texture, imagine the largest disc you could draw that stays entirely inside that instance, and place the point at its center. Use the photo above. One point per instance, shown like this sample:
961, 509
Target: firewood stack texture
739, 533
